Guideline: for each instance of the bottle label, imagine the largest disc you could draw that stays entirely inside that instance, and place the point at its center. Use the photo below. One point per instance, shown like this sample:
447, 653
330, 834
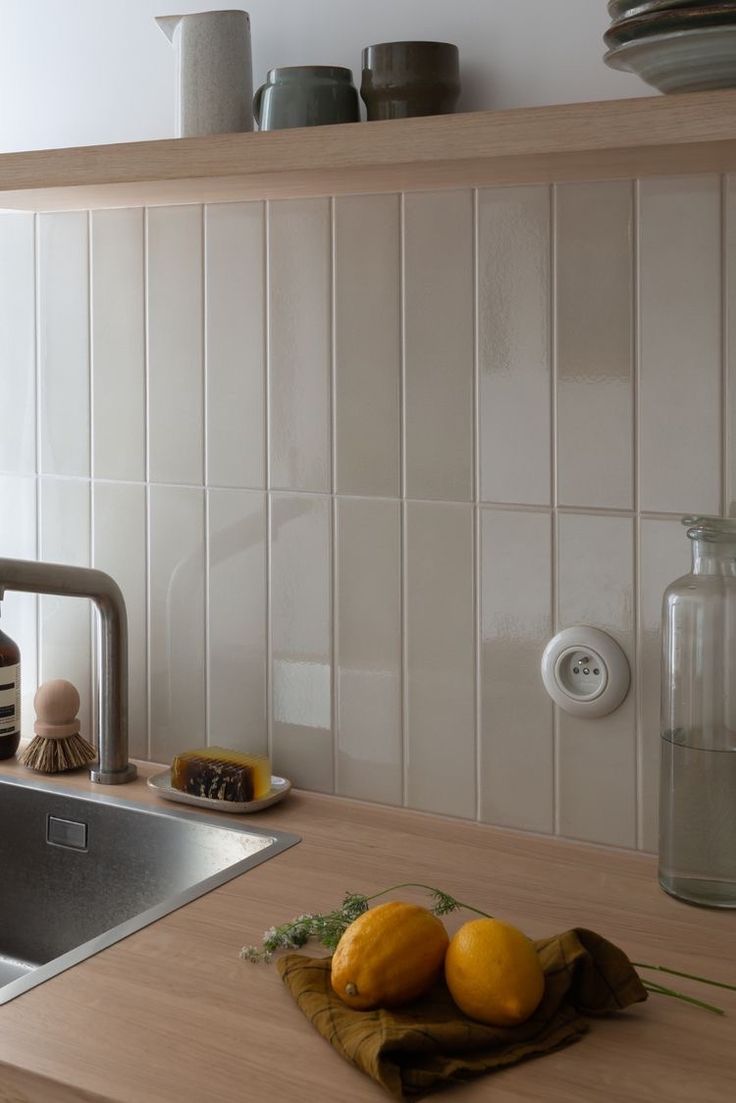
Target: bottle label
9, 700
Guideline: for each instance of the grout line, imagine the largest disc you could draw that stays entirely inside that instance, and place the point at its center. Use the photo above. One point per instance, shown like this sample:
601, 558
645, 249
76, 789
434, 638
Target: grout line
403, 519
332, 421
93, 674
555, 533
147, 468
267, 471
37, 411
477, 550
639, 734
206, 493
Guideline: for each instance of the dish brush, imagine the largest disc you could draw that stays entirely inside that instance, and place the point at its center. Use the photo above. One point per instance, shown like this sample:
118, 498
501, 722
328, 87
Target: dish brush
57, 744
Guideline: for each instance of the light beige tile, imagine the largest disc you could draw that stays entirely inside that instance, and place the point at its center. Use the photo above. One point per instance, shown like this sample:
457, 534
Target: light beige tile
517, 739
368, 650
299, 252
118, 345
368, 344
175, 328
594, 252
65, 622
63, 343
18, 612
514, 344
439, 341
302, 743
664, 556
119, 547
440, 659
237, 619
680, 387
236, 344
18, 343
730, 323
176, 619
597, 758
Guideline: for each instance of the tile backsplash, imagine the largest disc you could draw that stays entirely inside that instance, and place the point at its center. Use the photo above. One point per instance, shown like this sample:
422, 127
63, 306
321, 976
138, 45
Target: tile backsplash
354, 461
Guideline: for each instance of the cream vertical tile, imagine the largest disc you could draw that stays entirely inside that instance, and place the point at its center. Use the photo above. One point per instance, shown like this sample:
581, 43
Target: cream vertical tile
730, 323
66, 635
18, 343
237, 652
517, 741
514, 344
597, 758
299, 253
439, 344
175, 338
368, 650
368, 344
594, 252
119, 547
236, 343
18, 612
440, 657
301, 645
664, 556
118, 346
680, 385
63, 349
176, 620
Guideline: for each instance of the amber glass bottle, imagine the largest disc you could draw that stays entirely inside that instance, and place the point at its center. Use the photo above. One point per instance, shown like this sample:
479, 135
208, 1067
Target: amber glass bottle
9, 696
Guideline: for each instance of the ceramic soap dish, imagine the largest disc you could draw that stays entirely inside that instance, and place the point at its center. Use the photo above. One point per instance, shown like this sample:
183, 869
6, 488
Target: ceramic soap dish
161, 784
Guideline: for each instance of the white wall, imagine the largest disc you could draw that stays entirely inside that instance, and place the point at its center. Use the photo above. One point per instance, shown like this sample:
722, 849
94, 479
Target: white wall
78, 72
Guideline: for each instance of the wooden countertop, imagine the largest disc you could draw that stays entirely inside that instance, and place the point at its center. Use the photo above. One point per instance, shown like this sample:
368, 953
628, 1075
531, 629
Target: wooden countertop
171, 1015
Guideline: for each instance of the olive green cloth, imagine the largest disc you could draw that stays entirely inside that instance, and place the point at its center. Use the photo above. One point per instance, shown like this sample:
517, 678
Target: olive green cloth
430, 1044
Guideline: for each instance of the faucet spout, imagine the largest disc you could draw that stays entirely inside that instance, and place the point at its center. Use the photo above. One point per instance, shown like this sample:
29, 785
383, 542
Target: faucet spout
29, 576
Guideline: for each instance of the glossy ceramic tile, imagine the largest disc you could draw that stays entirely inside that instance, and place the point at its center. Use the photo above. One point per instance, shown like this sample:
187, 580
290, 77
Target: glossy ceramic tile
119, 547
175, 345
236, 610
66, 622
18, 612
729, 397
517, 739
440, 659
299, 252
514, 344
664, 556
367, 344
680, 336
301, 641
439, 344
597, 759
176, 620
595, 398
118, 345
18, 343
235, 266
368, 650
63, 343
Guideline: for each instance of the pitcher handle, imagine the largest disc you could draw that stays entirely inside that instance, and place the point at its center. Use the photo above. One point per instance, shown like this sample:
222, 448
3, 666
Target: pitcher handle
257, 103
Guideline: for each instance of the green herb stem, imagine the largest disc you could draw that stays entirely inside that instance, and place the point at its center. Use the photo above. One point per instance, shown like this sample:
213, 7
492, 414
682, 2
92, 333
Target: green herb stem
435, 892
687, 976
660, 990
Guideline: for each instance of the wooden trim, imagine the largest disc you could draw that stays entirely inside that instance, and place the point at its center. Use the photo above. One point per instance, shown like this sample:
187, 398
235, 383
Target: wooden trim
607, 140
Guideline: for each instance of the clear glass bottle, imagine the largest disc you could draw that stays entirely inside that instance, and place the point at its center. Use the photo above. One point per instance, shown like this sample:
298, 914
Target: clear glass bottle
697, 840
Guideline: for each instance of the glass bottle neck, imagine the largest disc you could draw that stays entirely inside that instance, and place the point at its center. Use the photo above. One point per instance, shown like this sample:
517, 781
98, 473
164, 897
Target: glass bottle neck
714, 558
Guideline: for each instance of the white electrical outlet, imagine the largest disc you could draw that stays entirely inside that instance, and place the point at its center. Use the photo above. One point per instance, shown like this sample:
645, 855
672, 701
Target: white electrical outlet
585, 671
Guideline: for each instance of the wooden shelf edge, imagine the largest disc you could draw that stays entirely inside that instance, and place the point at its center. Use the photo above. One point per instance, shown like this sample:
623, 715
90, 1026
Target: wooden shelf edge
609, 139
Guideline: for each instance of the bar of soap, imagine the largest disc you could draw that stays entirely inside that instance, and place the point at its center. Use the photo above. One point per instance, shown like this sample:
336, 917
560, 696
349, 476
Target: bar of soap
221, 774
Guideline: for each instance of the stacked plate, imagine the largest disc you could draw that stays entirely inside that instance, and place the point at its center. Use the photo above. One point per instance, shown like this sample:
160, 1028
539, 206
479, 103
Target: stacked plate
674, 45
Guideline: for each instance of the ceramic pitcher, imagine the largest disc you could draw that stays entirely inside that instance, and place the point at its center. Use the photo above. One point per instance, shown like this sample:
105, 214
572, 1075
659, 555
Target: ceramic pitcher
214, 81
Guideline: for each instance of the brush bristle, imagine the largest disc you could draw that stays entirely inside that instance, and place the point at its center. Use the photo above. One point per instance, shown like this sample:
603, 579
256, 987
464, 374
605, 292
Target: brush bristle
53, 756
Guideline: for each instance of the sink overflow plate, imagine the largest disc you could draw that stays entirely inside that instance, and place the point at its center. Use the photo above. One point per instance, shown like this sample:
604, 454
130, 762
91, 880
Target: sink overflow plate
71, 834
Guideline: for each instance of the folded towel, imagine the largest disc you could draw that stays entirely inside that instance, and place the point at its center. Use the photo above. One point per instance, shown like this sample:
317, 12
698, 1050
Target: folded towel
430, 1043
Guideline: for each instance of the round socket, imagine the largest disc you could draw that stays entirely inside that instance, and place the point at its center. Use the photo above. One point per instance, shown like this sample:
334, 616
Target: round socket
585, 671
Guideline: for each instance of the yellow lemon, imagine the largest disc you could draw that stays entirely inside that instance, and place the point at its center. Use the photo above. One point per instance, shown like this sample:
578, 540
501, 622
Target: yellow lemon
493, 973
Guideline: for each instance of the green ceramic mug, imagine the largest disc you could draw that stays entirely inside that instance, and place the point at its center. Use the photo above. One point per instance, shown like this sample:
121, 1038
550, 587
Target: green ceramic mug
306, 95
404, 79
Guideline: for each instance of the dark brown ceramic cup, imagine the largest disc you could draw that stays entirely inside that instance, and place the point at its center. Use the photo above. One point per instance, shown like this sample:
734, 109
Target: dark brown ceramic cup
404, 79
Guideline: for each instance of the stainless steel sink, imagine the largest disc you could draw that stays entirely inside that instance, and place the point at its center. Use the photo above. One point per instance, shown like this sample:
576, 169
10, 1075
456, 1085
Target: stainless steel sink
78, 873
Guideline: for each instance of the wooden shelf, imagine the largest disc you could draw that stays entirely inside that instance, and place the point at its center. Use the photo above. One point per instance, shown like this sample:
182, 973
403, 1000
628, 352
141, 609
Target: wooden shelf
609, 140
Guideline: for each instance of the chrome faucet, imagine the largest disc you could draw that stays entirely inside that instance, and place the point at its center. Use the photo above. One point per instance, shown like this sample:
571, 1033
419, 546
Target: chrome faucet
28, 576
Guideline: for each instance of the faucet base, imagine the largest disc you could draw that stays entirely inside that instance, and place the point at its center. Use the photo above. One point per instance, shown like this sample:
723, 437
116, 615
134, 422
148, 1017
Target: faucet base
113, 777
